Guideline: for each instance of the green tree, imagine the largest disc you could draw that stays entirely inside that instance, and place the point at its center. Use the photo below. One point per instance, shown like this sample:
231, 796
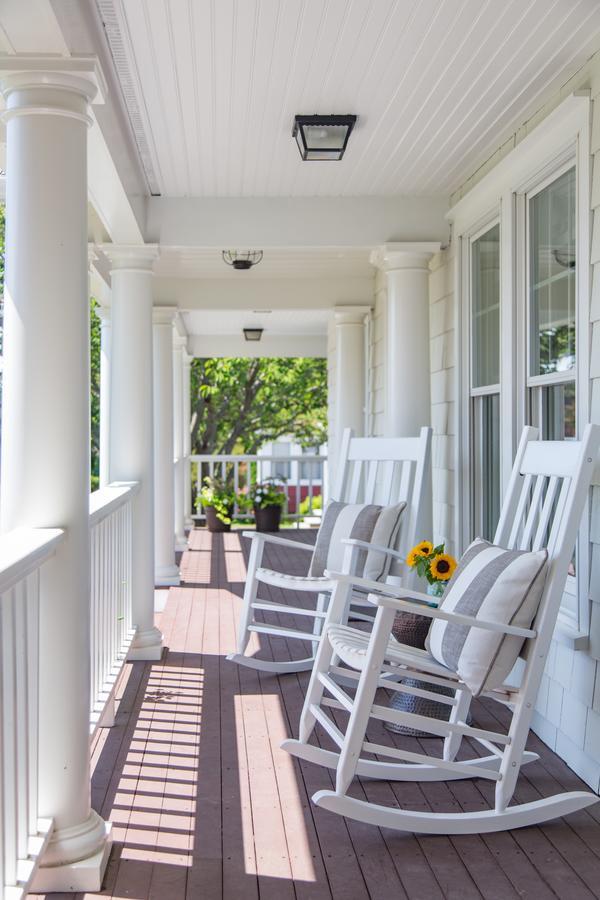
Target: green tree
240, 404
94, 395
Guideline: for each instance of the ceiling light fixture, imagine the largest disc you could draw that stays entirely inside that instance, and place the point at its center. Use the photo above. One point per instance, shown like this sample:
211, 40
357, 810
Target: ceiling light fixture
253, 334
242, 261
322, 137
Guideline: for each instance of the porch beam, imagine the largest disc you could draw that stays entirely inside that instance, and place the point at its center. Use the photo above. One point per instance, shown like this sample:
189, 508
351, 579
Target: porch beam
46, 398
131, 456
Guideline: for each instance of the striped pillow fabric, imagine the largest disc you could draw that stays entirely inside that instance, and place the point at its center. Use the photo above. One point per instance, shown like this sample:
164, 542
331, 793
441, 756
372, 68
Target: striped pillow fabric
495, 585
363, 522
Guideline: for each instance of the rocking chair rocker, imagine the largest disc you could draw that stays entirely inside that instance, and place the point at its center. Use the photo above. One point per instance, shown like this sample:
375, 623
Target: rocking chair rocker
545, 499
374, 471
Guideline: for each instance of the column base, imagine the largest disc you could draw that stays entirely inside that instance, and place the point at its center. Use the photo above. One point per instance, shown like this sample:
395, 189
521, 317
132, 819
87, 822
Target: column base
181, 542
146, 646
188, 522
85, 874
166, 576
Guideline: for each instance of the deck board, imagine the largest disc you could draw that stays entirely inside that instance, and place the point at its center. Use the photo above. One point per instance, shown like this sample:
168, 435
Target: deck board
206, 805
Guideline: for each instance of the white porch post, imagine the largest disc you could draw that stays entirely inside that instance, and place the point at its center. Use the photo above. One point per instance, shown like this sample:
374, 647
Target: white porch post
179, 344
45, 481
349, 405
166, 572
131, 456
103, 313
187, 440
407, 335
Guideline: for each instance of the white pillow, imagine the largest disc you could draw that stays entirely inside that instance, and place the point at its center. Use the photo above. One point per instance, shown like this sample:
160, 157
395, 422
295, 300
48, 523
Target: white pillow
363, 522
496, 585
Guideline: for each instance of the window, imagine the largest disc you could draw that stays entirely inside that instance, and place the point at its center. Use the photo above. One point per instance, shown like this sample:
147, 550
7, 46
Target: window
485, 383
524, 315
279, 468
552, 332
311, 471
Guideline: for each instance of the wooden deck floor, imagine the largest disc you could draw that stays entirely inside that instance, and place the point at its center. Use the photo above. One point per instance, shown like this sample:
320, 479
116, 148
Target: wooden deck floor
205, 804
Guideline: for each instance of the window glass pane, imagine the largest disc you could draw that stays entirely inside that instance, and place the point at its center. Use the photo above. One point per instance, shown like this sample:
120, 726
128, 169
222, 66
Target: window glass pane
552, 232
485, 308
486, 465
553, 411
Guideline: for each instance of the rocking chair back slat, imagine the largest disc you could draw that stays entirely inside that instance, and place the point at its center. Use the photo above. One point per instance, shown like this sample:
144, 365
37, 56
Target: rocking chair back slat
357, 471
541, 535
531, 519
371, 481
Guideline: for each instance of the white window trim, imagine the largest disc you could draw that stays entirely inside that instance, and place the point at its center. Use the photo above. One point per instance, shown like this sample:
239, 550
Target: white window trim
563, 136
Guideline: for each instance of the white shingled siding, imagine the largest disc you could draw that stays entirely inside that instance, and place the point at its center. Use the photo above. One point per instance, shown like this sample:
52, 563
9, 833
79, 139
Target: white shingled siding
443, 406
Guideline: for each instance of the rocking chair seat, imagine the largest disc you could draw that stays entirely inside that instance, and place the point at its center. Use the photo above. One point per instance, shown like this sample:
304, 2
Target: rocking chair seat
351, 645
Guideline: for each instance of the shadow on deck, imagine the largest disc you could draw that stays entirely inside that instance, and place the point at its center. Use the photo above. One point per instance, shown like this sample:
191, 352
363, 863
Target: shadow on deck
205, 804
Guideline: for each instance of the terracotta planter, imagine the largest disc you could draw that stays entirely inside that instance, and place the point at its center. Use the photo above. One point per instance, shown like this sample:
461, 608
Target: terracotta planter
213, 523
267, 518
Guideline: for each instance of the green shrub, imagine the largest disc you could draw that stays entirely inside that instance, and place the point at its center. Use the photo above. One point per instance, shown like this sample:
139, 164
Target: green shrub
317, 503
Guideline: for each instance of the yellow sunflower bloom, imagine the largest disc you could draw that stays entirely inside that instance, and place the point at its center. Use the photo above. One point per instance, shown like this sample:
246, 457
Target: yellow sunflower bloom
425, 548
442, 567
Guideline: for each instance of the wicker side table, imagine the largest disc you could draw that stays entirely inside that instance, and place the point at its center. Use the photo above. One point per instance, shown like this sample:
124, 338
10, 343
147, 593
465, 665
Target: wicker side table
412, 629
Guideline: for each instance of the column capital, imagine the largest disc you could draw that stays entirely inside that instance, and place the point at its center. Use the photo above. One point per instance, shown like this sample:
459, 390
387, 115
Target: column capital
131, 257
404, 255
187, 358
163, 315
41, 85
179, 341
350, 315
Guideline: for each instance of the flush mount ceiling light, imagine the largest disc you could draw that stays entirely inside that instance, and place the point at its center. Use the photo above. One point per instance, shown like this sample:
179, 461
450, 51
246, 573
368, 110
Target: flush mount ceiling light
242, 261
253, 334
322, 137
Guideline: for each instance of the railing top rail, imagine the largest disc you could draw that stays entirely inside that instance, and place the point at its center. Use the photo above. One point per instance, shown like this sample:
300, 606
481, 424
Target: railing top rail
109, 498
24, 550
243, 457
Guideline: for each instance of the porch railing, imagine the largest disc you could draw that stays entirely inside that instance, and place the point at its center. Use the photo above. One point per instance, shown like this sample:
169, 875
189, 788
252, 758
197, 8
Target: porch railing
111, 617
23, 836
306, 479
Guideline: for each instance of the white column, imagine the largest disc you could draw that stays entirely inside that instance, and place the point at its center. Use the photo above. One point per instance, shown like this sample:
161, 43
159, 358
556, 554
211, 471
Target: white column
407, 378
131, 456
187, 440
103, 313
349, 404
45, 445
166, 572
179, 344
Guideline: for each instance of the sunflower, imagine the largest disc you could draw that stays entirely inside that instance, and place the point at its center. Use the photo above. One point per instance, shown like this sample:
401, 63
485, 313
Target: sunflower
442, 567
425, 548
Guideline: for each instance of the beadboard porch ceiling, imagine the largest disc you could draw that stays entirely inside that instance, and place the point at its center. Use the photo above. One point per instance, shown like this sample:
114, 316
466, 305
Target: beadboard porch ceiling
212, 87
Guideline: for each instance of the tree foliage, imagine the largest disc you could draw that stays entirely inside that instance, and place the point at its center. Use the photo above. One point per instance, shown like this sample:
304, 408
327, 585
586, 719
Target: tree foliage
241, 404
94, 394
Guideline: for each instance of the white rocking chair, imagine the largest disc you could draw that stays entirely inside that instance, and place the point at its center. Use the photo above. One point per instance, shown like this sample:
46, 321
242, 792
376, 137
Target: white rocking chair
543, 507
383, 471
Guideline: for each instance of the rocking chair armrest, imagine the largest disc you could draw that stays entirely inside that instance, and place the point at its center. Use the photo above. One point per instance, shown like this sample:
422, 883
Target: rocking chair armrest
273, 539
456, 618
377, 548
386, 590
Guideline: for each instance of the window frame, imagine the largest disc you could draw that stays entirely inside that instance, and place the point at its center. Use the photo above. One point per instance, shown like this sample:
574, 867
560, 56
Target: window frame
555, 145
489, 221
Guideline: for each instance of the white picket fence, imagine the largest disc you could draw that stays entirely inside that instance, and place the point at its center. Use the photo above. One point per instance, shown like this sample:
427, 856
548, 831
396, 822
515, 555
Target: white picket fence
111, 618
23, 835
307, 478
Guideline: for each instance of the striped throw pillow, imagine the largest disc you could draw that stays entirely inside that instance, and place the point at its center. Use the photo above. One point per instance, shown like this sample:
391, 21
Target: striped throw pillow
363, 522
495, 585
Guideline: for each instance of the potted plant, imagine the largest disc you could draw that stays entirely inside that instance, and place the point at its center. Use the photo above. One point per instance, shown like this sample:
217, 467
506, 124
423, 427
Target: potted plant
268, 499
218, 501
